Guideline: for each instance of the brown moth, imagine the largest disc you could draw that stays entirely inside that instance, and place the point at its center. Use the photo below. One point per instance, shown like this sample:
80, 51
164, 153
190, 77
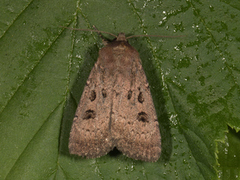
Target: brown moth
116, 108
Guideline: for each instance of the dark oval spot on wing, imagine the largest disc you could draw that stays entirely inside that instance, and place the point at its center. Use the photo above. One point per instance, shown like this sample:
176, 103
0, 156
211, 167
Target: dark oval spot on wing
140, 97
129, 94
92, 96
104, 93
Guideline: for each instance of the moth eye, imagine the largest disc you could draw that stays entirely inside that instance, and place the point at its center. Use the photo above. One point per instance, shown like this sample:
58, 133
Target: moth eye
89, 114
129, 94
140, 97
92, 96
142, 116
104, 93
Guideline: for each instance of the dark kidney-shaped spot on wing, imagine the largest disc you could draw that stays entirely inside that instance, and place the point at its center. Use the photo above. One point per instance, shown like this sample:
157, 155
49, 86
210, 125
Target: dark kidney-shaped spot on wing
142, 116
89, 114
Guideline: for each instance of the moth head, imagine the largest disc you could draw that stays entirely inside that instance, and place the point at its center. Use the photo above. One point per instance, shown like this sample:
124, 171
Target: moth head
121, 37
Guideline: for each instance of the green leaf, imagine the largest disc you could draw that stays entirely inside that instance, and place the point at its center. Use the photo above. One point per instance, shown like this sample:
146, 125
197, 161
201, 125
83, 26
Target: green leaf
194, 81
228, 156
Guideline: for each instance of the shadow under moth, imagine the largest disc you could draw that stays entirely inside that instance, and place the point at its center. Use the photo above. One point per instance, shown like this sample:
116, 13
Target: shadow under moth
116, 108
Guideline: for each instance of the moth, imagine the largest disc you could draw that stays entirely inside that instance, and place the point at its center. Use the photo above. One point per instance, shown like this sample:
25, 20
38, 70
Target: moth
116, 108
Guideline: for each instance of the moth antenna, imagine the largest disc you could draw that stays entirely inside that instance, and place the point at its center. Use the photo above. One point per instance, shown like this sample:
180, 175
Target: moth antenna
105, 41
91, 30
133, 36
